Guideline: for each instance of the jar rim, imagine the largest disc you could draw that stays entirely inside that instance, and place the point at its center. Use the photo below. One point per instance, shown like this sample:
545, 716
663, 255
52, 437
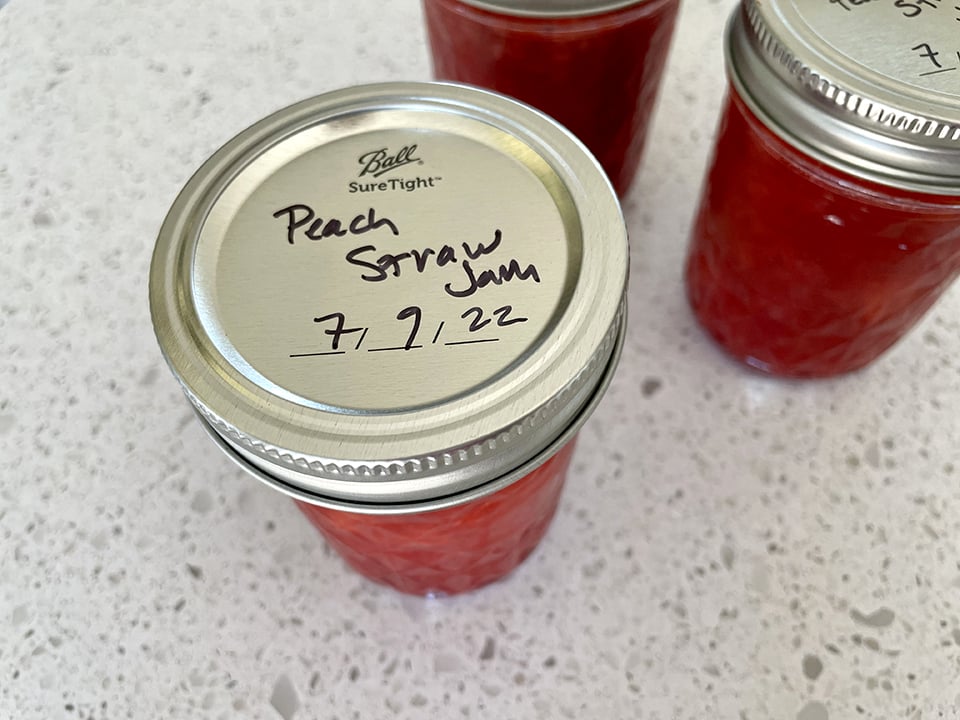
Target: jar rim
262, 472
839, 109
554, 8
427, 423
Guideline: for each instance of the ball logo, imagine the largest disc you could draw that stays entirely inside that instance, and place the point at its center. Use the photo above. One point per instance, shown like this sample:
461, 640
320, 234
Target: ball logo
379, 162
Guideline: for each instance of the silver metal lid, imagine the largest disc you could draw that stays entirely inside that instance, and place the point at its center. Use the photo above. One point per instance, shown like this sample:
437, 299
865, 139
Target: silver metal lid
553, 8
869, 87
393, 292
243, 460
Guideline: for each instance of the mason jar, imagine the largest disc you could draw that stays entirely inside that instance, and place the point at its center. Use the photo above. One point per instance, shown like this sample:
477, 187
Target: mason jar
397, 304
594, 65
830, 218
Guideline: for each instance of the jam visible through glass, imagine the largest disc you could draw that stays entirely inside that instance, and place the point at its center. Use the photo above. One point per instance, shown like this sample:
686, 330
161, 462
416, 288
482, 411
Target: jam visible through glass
801, 270
453, 550
596, 74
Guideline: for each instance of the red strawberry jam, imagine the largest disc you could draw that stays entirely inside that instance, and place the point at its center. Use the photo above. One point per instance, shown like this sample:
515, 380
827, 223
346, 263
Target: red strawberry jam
597, 73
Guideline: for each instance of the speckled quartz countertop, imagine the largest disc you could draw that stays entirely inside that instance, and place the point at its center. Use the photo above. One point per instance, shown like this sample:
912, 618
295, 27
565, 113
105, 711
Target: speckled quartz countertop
729, 546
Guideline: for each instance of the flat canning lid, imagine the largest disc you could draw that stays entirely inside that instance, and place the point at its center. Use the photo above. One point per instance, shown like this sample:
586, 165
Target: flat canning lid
554, 8
869, 86
392, 293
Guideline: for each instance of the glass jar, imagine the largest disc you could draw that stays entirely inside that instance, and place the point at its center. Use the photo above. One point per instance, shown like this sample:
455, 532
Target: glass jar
481, 540
830, 217
397, 304
594, 65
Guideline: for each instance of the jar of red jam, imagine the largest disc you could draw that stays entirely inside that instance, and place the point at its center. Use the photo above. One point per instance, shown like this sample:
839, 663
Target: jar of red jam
594, 65
830, 218
397, 304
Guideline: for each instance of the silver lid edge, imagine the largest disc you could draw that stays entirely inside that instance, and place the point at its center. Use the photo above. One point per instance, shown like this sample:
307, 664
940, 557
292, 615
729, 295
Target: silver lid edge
469, 461
452, 469
816, 114
432, 503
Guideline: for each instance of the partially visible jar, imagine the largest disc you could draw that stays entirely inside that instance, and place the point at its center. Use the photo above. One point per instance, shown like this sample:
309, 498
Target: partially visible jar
594, 65
830, 217
397, 304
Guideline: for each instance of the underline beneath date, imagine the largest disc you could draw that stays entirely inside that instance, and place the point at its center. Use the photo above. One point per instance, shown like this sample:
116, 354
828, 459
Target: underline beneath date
399, 348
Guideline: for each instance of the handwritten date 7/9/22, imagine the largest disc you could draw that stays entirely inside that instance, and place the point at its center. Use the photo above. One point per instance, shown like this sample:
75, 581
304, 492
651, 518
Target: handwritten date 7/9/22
475, 319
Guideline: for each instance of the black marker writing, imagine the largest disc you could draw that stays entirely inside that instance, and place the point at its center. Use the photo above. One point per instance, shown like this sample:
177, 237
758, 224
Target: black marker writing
502, 314
417, 314
478, 328
912, 8
932, 55
392, 264
845, 4
317, 228
338, 330
505, 273
928, 52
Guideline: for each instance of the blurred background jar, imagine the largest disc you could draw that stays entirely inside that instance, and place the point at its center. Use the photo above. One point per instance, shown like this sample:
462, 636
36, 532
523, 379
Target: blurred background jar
594, 65
830, 218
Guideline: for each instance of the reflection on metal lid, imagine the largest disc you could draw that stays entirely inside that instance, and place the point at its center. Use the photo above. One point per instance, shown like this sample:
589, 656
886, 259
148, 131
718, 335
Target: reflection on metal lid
392, 292
872, 87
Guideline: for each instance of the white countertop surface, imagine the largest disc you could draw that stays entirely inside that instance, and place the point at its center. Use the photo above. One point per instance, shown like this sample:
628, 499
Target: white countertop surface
728, 546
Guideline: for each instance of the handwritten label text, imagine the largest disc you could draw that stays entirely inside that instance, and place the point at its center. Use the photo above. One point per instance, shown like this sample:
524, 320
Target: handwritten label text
317, 228
386, 265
